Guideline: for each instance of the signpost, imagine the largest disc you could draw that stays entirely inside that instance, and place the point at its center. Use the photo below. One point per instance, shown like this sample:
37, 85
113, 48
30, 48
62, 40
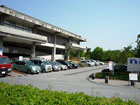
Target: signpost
133, 77
133, 66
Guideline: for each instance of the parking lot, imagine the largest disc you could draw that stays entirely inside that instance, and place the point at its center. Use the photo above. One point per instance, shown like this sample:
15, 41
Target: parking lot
74, 80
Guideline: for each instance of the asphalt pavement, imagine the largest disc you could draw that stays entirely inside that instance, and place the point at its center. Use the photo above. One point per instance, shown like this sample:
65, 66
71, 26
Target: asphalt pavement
75, 80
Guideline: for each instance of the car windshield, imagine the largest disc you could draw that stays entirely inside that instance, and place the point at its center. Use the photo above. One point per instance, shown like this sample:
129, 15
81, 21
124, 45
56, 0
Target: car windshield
46, 62
30, 63
85, 61
66, 62
4, 60
52, 63
58, 63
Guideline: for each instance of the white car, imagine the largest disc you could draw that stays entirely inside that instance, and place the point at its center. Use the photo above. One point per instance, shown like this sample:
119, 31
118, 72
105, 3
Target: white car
96, 62
101, 63
92, 63
63, 67
87, 63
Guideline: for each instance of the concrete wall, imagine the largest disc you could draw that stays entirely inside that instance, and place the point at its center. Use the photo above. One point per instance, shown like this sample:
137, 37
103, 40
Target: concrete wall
32, 20
48, 57
22, 34
17, 50
61, 40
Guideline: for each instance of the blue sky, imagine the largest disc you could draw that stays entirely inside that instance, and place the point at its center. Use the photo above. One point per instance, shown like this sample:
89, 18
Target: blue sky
110, 24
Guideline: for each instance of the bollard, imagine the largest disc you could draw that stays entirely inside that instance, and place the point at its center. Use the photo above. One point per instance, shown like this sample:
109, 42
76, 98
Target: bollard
132, 83
106, 79
93, 76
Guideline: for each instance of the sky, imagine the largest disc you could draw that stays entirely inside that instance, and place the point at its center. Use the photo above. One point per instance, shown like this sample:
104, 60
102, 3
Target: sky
109, 24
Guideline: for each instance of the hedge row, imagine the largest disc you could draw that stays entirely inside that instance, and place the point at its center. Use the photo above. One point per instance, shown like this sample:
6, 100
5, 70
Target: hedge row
116, 76
28, 95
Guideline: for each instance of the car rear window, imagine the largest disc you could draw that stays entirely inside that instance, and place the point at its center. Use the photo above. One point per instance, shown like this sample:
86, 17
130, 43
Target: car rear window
46, 63
4, 60
30, 63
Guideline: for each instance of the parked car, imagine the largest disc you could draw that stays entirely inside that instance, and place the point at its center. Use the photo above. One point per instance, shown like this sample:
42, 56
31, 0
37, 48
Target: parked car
120, 68
69, 64
55, 66
96, 62
5, 65
63, 67
101, 63
65, 63
87, 63
74, 66
26, 66
93, 63
117, 68
43, 64
106, 70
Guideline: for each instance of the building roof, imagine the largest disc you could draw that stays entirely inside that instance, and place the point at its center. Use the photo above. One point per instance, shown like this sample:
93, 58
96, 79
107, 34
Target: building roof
40, 24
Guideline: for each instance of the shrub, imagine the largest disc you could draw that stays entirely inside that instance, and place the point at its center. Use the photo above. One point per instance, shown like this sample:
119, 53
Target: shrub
117, 75
28, 95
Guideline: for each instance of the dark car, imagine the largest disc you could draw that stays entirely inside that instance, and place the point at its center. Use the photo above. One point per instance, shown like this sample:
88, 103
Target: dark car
106, 70
117, 68
120, 68
65, 63
74, 66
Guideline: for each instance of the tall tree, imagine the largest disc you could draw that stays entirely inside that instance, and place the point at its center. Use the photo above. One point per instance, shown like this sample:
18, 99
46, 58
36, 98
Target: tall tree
138, 46
97, 53
125, 53
88, 53
82, 54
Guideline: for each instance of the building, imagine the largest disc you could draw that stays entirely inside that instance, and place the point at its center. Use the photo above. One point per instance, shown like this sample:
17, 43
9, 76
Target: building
23, 35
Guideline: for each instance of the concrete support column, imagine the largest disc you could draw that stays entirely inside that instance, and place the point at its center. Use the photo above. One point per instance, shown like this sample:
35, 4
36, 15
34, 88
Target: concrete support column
68, 54
79, 51
1, 45
33, 50
54, 49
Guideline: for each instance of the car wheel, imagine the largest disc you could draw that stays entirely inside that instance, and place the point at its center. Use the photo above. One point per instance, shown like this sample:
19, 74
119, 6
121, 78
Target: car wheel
43, 71
89, 65
4, 75
28, 72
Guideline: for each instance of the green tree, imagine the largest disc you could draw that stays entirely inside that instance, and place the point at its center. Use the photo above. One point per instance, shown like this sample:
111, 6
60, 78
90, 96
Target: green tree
88, 53
82, 54
116, 54
138, 46
97, 53
125, 53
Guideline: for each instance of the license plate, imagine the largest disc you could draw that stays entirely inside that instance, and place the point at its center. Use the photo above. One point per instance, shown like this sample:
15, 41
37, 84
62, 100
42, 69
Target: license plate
49, 70
3, 72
